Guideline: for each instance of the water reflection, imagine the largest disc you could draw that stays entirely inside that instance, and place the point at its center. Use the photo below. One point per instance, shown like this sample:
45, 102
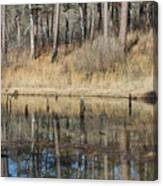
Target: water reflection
78, 138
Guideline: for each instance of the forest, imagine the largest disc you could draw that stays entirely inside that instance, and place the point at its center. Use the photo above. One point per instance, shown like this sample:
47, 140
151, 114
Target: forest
92, 49
78, 82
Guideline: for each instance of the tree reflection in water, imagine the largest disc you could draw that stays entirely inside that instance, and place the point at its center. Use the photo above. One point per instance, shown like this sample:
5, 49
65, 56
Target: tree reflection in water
85, 139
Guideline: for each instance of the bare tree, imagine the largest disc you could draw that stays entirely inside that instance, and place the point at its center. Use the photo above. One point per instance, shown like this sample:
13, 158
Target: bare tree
81, 21
4, 35
138, 15
17, 18
106, 21
32, 43
92, 22
85, 19
88, 24
123, 25
66, 32
66, 8
99, 10
47, 26
36, 31
56, 30
40, 31
52, 25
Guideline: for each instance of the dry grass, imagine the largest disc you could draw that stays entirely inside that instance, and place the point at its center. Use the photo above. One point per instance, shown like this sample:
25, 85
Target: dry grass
89, 69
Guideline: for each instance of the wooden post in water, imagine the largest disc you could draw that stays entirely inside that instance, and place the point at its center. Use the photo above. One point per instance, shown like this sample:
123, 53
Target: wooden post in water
83, 135
48, 118
67, 128
82, 107
130, 104
47, 106
56, 97
10, 105
7, 104
26, 112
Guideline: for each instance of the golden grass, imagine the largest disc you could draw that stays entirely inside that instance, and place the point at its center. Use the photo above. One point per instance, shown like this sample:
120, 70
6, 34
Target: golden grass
118, 77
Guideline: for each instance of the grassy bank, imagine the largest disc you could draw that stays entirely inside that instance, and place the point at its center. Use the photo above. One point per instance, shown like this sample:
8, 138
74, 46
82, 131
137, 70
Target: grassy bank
89, 70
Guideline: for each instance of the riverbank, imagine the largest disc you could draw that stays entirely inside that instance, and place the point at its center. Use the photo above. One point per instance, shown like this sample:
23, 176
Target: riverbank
117, 90
85, 71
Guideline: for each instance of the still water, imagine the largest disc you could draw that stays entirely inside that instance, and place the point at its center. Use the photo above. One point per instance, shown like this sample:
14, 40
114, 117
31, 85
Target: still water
87, 138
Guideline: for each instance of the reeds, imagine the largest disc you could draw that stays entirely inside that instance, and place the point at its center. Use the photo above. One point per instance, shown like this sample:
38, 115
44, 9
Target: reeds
91, 66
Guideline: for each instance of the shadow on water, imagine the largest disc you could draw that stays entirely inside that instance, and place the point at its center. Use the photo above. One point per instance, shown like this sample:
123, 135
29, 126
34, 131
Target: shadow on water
150, 97
78, 138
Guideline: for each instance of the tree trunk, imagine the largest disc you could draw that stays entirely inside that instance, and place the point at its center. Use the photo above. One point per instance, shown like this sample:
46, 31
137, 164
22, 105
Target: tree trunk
92, 22
148, 16
85, 20
123, 25
106, 21
115, 17
110, 22
88, 24
42, 39
66, 32
32, 42
52, 25
18, 30
131, 16
56, 31
81, 21
47, 27
99, 9
36, 34
4, 35
40, 30
137, 25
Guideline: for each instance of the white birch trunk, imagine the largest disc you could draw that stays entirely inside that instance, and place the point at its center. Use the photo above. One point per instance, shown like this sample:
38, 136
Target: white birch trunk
32, 43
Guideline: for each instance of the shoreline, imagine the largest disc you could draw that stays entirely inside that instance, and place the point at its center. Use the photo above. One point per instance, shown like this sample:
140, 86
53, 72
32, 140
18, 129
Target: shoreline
71, 92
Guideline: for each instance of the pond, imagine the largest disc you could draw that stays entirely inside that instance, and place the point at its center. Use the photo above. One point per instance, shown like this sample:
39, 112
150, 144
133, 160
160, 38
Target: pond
78, 138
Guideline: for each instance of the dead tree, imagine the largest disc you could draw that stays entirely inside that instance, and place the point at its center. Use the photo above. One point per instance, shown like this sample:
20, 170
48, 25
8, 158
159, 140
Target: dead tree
92, 22
81, 21
3, 34
123, 26
56, 31
85, 19
88, 24
66, 32
47, 26
106, 21
17, 19
99, 10
40, 32
52, 25
32, 43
